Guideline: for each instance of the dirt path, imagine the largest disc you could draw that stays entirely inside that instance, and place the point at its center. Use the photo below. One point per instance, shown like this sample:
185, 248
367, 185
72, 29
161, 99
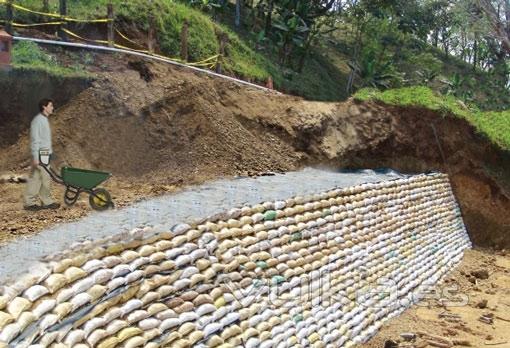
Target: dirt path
17, 223
460, 324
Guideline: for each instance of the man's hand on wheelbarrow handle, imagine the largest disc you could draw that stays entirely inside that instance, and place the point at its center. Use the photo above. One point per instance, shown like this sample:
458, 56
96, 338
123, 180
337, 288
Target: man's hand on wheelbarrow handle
35, 163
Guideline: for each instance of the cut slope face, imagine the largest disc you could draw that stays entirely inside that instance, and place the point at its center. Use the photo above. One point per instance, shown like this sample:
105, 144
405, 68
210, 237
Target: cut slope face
21, 90
182, 129
306, 270
422, 140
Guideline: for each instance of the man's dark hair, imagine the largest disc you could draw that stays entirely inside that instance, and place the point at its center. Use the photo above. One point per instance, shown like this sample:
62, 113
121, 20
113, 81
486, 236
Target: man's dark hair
43, 103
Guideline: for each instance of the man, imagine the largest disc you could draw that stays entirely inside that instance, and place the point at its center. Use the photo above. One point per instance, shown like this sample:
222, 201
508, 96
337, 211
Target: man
38, 186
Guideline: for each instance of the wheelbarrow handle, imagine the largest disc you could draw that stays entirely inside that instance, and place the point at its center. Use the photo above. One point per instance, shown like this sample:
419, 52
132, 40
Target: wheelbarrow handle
52, 173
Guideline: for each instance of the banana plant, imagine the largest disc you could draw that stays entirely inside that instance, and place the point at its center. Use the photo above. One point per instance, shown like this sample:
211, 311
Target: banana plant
458, 86
368, 71
291, 31
427, 75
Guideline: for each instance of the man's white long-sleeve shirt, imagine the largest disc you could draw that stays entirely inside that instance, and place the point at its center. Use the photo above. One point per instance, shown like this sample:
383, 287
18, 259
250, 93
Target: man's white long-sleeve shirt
40, 135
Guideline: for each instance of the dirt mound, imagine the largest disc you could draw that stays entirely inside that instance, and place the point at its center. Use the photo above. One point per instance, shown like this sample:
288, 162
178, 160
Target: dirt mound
177, 128
182, 128
18, 86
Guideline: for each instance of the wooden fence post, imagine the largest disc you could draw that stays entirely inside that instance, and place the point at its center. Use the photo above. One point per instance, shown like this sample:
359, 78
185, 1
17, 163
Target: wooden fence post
9, 16
223, 40
111, 29
63, 13
151, 34
46, 6
184, 41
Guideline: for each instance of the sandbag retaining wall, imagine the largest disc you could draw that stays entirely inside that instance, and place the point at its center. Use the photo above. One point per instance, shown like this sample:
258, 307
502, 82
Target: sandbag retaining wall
317, 271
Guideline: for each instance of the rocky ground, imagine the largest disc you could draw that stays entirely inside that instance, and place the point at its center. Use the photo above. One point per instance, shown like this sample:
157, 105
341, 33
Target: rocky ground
443, 320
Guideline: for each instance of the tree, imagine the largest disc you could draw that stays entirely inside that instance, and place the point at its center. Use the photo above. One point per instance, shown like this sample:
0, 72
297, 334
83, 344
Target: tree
296, 24
238, 13
498, 14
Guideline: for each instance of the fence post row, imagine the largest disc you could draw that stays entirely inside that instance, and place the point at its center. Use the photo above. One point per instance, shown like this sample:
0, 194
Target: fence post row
63, 13
151, 35
111, 29
9, 15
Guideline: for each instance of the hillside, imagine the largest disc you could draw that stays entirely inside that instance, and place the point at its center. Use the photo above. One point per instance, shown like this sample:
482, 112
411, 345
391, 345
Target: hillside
321, 78
495, 126
402, 61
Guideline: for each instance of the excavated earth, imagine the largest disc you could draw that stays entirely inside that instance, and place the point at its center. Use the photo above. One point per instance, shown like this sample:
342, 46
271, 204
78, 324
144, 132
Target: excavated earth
180, 129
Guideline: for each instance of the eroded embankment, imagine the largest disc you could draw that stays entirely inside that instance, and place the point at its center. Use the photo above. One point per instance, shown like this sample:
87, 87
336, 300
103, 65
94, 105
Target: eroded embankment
422, 140
418, 140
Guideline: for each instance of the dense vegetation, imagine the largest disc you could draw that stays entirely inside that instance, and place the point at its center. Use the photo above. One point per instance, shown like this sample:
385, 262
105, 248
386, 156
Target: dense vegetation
327, 49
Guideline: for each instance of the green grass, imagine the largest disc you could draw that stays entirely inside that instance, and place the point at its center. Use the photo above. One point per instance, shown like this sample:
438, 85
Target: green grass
29, 56
241, 60
321, 78
414, 96
495, 125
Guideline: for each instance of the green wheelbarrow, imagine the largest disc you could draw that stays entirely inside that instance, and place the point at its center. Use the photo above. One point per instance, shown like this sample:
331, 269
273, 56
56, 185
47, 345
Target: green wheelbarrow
78, 181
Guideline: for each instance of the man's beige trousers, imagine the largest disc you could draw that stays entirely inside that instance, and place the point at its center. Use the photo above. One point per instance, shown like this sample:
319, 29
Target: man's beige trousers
38, 188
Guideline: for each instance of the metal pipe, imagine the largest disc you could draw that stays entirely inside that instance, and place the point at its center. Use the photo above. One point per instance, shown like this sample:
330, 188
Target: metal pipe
140, 54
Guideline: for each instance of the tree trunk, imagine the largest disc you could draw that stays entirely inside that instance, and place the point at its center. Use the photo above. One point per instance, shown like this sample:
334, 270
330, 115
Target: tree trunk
63, 13
267, 28
444, 40
110, 27
9, 16
500, 29
463, 43
46, 6
238, 13
436, 38
222, 41
306, 49
475, 54
151, 34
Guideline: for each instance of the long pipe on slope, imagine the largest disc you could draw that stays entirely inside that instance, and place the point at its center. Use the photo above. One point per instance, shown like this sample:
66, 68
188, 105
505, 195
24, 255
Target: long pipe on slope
144, 55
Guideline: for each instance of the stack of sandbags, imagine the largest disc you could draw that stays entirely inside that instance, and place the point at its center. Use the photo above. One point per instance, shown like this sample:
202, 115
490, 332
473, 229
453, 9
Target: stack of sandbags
324, 270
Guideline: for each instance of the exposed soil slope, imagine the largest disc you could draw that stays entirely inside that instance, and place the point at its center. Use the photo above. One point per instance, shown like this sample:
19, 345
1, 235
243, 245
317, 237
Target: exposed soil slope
180, 128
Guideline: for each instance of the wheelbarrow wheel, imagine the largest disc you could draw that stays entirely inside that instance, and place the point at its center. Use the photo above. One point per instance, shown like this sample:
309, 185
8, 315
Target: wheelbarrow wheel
100, 199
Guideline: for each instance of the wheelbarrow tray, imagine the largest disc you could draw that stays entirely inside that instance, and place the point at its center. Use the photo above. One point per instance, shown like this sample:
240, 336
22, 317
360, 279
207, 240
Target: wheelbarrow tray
83, 178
